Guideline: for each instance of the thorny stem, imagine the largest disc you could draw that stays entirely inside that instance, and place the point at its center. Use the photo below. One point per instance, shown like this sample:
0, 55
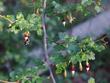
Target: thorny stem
6, 19
3, 81
45, 42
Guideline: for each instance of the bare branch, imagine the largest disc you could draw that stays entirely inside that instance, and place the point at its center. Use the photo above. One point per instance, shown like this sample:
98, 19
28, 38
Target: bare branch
45, 42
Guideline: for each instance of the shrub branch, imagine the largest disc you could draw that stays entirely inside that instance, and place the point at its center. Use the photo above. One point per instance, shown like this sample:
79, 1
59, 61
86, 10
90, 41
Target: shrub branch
45, 42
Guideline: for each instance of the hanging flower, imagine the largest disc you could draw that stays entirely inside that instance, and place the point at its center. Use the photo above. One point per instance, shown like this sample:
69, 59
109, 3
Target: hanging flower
87, 66
65, 73
64, 22
26, 36
33, 1
72, 69
80, 66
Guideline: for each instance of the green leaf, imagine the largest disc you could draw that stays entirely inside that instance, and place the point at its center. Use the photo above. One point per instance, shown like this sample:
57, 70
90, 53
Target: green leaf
99, 48
72, 48
98, 8
79, 8
91, 80
20, 16
62, 36
26, 81
84, 57
60, 67
1, 25
39, 31
57, 59
86, 2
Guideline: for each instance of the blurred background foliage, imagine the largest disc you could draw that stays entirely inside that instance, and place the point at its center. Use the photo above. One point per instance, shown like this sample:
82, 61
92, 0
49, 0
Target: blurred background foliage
61, 15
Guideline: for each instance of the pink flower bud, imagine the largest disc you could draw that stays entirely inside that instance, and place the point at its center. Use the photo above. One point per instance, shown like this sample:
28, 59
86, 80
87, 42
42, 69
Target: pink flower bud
87, 66
33, 1
72, 69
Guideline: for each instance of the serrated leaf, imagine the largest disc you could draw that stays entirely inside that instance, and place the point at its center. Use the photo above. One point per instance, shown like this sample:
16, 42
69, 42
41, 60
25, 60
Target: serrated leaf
91, 80
20, 16
98, 8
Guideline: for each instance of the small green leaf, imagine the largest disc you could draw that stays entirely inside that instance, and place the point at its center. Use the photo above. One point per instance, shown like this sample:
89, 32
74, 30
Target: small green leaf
98, 8
19, 16
91, 80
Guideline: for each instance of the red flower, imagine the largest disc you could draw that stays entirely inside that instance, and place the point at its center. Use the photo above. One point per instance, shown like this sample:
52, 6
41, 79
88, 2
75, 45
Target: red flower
33, 1
26, 36
87, 66
72, 69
